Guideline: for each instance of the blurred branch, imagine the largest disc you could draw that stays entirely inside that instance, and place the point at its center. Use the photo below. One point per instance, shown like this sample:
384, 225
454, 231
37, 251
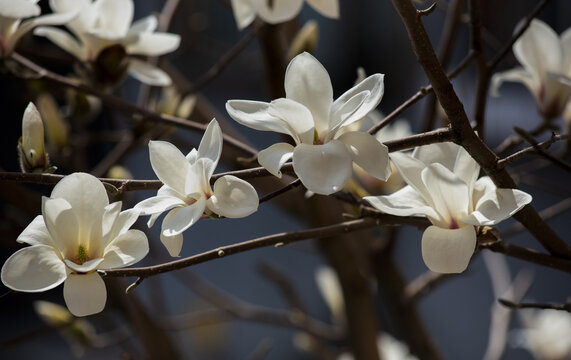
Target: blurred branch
423, 284
532, 149
539, 149
513, 305
529, 255
546, 214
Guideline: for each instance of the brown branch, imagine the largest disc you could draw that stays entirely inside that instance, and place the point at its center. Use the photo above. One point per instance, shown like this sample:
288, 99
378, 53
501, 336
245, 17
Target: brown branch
539, 149
513, 305
529, 255
531, 150
423, 284
483, 71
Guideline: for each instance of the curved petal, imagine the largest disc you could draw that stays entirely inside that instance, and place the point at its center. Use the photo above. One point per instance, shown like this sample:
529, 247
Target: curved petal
85, 294
533, 46
444, 153
254, 114
64, 40
404, 202
233, 198
125, 250
148, 24
19, 9
36, 233
124, 221
565, 39
211, 145
375, 87
327, 8
244, 12
173, 244
448, 250
109, 216
115, 16
147, 73
466, 168
158, 204
85, 19
296, 116
34, 269
278, 11
410, 170
85, 267
323, 169
343, 115
308, 83
520, 75
62, 224
368, 153
154, 44
180, 219
274, 157
169, 164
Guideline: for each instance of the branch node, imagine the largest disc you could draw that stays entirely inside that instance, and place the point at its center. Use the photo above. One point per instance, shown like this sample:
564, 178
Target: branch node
133, 286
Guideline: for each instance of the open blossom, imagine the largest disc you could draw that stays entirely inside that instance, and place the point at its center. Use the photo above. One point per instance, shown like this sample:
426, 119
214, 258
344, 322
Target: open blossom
323, 153
104, 23
78, 233
546, 71
443, 185
277, 11
12, 28
187, 193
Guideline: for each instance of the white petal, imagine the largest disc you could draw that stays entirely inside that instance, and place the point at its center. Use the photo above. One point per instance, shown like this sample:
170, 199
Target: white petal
308, 83
33, 269
173, 244
154, 44
274, 157
323, 169
158, 204
124, 221
532, 47
64, 40
147, 73
169, 164
444, 153
180, 219
85, 267
343, 115
19, 9
115, 16
404, 202
531, 81
125, 250
374, 84
211, 144
448, 250
62, 224
244, 12
410, 169
148, 24
466, 168
51, 19
36, 233
328, 8
111, 213
278, 10
368, 153
254, 114
85, 294
296, 116
86, 17
233, 198
494, 205
565, 39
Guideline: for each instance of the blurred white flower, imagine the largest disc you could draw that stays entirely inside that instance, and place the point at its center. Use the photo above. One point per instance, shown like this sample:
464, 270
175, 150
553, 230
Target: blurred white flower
323, 154
546, 71
547, 334
277, 11
12, 28
389, 349
330, 289
78, 233
104, 23
187, 193
443, 185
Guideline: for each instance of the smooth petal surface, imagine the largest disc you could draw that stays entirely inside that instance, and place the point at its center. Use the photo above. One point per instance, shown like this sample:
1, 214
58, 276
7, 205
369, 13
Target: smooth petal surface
125, 250
19, 9
274, 157
144, 25
448, 250
180, 219
85, 267
323, 169
158, 204
404, 202
233, 198
154, 44
64, 40
33, 269
124, 221
62, 224
296, 116
147, 73
51, 19
343, 116
375, 87
211, 144
308, 83
278, 10
254, 114
85, 294
169, 164
244, 12
410, 170
444, 153
36, 233
565, 39
368, 153
115, 16
328, 8
520, 75
533, 46
173, 244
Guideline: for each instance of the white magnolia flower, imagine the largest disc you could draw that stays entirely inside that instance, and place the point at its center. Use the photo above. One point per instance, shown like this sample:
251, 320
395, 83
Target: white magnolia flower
443, 184
186, 191
103, 23
78, 233
323, 154
547, 334
277, 11
546, 71
12, 28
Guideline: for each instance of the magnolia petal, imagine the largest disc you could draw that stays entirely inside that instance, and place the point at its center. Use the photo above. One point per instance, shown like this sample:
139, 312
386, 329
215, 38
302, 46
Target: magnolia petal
109, 216
368, 153
278, 10
173, 244
323, 169
565, 39
158, 204
62, 223
124, 221
296, 116
327, 8
19, 9
148, 73
115, 16
274, 157
154, 44
211, 145
244, 12
64, 40
448, 250
86, 267
51, 19
531, 48
444, 153
148, 24
254, 114
308, 83
36, 233
450, 197
233, 198
84, 294
125, 250
180, 219
169, 164
466, 168
410, 169
375, 87
85, 19
198, 178
343, 115
518, 75
404, 202
33, 269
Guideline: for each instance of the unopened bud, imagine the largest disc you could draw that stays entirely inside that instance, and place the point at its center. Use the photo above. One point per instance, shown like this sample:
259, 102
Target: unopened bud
33, 157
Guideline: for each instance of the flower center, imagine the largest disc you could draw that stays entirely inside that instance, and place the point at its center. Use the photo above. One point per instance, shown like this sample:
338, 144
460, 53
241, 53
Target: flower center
454, 224
316, 139
81, 256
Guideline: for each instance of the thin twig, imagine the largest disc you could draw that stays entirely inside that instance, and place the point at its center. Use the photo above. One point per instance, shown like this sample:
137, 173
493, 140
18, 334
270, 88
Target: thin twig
539, 149
532, 149
529, 255
513, 305
278, 192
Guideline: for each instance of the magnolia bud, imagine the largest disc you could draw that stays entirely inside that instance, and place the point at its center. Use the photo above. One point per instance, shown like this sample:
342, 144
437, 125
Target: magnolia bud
33, 155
